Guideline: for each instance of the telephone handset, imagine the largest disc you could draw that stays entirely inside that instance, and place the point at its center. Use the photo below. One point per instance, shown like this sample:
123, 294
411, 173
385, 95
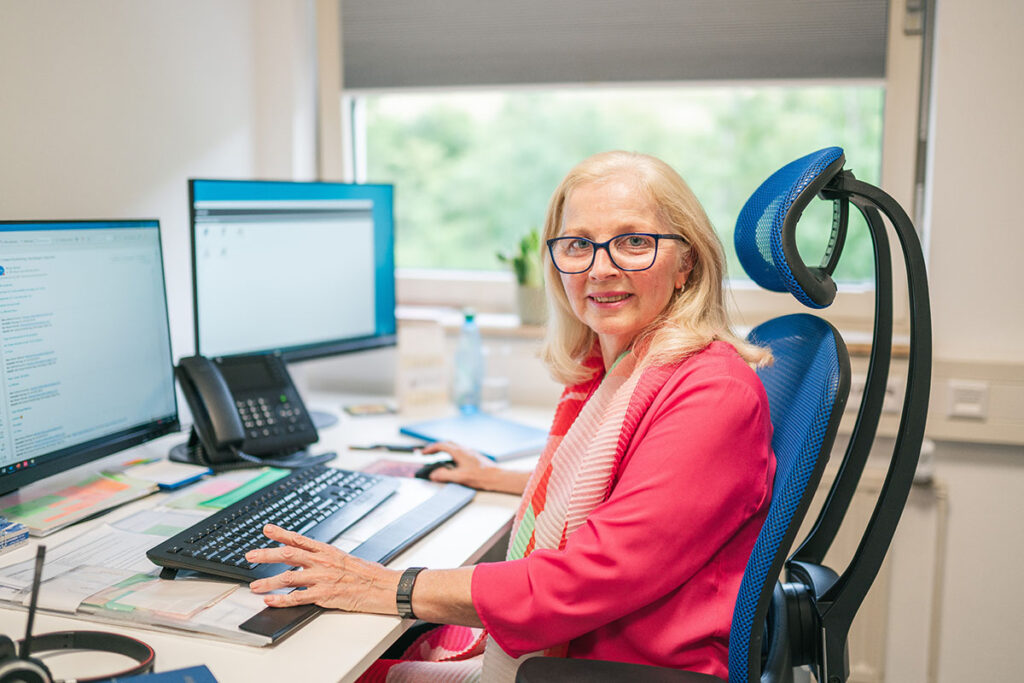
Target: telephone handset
244, 406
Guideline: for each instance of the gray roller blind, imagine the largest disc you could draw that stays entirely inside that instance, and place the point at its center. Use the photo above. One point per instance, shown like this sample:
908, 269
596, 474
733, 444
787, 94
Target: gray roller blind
427, 43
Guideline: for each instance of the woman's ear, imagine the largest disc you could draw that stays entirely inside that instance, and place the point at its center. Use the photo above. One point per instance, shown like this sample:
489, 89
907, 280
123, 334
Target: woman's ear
685, 268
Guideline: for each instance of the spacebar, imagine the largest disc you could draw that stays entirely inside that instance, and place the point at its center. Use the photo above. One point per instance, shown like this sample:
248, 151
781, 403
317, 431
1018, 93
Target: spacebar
414, 524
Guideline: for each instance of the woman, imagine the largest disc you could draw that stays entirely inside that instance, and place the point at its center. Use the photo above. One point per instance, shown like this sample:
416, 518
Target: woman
634, 530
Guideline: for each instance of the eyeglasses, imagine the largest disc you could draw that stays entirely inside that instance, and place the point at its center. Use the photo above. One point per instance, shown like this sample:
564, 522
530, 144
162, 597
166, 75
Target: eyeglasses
628, 251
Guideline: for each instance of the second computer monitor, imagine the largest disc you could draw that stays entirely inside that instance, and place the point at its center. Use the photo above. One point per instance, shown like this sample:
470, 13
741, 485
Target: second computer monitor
305, 269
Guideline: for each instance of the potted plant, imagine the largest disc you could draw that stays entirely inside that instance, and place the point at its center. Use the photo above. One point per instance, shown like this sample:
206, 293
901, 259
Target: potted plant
525, 263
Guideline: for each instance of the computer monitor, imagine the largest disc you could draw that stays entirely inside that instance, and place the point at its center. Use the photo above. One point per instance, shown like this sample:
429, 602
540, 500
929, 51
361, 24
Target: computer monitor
85, 348
304, 269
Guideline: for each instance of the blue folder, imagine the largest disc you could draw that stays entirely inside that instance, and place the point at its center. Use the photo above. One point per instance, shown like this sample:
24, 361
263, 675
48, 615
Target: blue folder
496, 437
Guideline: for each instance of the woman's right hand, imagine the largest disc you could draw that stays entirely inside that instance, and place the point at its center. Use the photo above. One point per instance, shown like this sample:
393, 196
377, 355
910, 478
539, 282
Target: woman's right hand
474, 470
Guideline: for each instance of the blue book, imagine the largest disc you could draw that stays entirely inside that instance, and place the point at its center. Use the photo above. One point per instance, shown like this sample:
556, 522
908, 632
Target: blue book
11, 534
496, 437
191, 674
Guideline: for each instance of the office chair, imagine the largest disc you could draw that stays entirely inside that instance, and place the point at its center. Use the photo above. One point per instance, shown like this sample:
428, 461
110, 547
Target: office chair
804, 619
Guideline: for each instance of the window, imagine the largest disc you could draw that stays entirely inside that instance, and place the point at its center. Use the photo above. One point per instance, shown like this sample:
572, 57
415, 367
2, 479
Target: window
473, 170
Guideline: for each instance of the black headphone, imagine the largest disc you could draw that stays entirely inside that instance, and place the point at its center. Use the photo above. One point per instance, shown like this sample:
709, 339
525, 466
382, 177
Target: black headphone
20, 667
30, 670
14, 668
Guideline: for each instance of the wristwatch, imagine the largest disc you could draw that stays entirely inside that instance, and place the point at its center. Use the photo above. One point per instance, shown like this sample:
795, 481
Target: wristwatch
403, 598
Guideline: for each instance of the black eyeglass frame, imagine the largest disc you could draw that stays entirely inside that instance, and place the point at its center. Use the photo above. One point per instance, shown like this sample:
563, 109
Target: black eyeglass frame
606, 246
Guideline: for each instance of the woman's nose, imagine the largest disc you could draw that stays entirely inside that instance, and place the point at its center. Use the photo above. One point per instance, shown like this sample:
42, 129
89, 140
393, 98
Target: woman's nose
603, 267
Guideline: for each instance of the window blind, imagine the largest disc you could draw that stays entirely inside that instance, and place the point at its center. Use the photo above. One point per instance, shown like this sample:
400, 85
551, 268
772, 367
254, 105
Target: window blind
438, 43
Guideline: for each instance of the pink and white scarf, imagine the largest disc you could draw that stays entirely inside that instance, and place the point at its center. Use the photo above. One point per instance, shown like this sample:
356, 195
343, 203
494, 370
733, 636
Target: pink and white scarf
592, 427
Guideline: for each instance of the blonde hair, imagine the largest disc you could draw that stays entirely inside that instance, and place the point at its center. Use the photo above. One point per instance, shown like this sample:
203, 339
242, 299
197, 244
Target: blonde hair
694, 317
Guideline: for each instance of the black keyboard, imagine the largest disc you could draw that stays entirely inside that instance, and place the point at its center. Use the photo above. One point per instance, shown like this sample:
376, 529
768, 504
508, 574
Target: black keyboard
318, 501
277, 622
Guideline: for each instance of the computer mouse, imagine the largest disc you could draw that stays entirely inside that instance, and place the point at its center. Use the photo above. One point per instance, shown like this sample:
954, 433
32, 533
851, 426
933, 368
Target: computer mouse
424, 472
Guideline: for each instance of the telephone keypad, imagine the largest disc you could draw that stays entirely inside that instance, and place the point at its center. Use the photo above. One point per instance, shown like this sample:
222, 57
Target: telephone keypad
267, 416
274, 420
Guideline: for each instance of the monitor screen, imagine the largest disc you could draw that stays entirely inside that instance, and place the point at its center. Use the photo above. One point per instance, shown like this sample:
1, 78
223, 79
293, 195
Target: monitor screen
84, 344
304, 269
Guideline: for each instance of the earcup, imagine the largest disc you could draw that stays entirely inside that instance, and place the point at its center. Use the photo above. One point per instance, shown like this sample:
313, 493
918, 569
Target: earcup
15, 670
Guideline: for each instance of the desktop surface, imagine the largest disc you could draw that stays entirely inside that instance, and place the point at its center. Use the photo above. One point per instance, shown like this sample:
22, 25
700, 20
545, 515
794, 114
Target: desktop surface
342, 644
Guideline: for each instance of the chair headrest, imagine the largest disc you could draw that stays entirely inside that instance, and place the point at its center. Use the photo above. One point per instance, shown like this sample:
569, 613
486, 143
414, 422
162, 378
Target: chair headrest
765, 233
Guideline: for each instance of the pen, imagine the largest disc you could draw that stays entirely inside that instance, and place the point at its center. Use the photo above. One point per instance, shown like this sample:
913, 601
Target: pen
394, 447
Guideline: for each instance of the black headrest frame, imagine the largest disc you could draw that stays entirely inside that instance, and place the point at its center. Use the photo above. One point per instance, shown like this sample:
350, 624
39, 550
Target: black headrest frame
834, 599
816, 281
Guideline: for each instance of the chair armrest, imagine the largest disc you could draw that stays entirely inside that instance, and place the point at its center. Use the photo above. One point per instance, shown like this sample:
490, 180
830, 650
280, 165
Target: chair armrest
558, 670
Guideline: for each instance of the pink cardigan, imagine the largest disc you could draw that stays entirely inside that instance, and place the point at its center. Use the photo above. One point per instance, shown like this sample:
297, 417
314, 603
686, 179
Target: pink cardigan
652, 576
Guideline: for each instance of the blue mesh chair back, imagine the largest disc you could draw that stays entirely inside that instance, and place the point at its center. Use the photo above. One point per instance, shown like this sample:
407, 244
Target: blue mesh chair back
807, 386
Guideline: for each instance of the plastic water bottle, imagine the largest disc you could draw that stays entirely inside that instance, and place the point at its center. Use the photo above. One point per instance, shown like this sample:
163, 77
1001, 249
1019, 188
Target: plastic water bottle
468, 376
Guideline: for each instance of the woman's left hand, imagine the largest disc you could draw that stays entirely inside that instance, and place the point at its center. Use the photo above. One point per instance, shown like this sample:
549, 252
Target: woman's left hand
331, 578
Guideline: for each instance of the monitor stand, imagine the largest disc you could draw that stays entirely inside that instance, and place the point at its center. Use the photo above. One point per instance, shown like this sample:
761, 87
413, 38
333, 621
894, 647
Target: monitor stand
322, 419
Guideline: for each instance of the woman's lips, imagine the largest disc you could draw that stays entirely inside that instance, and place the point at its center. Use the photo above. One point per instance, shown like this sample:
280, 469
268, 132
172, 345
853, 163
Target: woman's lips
610, 298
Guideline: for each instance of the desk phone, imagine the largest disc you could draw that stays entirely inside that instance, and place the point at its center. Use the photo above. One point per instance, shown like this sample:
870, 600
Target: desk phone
244, 403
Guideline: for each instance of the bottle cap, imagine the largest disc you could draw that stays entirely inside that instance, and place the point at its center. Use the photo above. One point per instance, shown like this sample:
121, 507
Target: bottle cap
469, 314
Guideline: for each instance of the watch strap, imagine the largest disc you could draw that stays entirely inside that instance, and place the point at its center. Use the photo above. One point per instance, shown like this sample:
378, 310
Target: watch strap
403, 598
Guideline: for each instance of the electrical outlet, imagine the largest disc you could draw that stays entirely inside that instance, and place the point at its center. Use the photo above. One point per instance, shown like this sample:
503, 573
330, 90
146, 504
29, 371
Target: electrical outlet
894, 390
967, 399
857, 382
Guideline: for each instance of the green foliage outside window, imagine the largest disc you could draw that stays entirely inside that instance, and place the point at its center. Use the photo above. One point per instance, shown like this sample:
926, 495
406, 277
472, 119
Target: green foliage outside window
473, 171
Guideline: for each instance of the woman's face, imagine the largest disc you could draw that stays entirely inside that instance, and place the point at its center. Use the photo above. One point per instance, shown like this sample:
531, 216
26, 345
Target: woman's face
618, 304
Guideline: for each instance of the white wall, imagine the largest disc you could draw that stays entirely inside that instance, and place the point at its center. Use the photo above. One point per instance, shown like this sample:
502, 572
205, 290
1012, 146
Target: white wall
982, 597
976, 239
976, 243
107, 107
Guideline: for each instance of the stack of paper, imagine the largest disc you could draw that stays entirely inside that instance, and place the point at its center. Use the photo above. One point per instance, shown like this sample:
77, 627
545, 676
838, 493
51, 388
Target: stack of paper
45, 511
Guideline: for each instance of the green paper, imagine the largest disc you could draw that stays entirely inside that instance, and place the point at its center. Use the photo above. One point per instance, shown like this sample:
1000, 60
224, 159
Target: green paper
225, 499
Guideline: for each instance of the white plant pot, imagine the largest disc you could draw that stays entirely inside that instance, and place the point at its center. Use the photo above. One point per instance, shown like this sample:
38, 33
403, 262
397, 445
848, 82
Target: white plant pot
531, 304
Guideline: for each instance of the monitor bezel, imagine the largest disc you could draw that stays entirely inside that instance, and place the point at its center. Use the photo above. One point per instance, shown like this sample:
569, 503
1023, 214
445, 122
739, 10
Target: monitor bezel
299, 352
71, 457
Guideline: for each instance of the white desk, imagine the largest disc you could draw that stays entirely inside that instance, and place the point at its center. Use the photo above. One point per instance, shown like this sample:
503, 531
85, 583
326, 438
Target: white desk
335, 646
